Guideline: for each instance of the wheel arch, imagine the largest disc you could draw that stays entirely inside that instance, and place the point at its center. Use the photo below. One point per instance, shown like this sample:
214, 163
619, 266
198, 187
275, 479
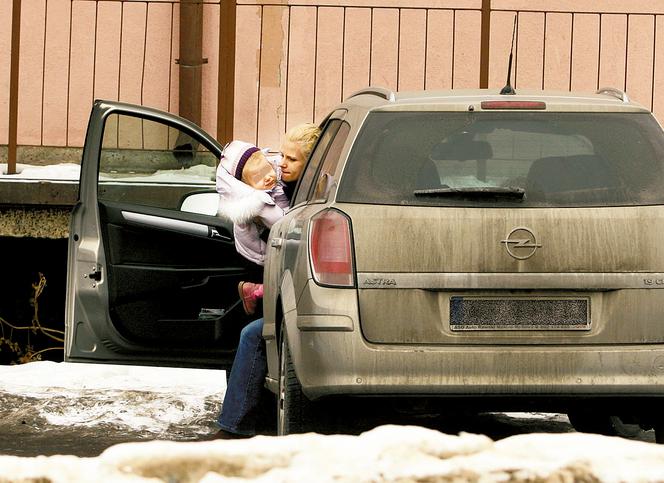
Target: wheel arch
282, 312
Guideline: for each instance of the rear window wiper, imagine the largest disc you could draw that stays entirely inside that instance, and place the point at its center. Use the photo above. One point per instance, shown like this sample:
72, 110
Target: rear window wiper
475, 191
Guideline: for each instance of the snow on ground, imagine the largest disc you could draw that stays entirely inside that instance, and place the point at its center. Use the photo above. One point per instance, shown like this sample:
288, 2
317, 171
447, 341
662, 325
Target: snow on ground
70, 172
387, 453
26, 172
154, 399
141, 398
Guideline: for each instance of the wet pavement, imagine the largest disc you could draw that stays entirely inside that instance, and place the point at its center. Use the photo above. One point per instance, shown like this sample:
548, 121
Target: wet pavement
25, 432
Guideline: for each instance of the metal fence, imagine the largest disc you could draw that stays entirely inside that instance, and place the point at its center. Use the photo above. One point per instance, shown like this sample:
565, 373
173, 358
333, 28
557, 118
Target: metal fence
300, 60
584, 50
75, 51
295, 59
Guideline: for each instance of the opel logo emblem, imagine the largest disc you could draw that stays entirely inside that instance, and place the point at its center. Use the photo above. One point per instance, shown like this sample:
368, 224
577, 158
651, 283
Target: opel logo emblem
521, 243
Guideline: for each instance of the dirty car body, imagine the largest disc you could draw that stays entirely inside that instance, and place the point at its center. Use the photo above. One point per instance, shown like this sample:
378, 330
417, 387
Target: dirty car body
466, 248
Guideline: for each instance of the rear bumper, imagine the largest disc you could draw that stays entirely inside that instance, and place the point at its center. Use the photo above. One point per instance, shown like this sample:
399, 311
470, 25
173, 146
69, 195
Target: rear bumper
343, 363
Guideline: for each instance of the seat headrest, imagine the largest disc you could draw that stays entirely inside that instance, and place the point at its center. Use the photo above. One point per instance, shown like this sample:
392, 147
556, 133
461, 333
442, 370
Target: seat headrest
461, 149
563, 173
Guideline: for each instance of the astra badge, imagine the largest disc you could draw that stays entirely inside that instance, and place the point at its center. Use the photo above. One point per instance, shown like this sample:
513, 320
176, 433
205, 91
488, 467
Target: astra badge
521, 243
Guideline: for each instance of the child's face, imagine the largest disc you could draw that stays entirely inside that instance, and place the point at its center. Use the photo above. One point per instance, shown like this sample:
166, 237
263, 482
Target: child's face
259, 173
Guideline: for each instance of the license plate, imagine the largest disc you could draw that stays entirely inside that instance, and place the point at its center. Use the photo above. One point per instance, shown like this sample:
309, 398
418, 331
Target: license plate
508, 313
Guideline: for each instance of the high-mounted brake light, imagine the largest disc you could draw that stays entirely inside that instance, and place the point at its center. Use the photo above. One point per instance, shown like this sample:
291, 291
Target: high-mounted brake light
330, 249
513, 105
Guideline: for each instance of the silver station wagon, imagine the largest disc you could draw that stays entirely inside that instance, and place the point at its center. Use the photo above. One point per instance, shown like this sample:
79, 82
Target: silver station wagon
443, 250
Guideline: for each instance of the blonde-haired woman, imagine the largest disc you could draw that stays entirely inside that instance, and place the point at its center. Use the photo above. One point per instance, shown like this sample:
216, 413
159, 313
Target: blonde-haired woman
247, 376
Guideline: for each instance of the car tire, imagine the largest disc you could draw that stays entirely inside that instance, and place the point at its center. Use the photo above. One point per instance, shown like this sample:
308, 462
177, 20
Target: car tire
626, 429
659, 432
586, 422
295, 413
266, 417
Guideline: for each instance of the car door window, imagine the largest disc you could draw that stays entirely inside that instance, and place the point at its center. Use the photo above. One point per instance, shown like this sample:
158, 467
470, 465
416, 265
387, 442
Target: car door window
325, 178
315, 160
149, 163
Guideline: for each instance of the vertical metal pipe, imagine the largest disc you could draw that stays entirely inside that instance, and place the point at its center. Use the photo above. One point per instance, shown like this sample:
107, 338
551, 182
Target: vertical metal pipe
485, 44
191, 60
13, 87
226, 89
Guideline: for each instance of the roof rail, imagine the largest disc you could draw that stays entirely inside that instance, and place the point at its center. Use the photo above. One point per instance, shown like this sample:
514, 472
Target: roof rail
381, 92
612, 91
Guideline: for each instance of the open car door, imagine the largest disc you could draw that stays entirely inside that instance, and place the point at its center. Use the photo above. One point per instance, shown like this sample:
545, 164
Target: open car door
152, 278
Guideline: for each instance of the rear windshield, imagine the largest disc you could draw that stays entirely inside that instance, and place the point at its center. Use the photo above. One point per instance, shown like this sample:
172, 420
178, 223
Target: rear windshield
514, 159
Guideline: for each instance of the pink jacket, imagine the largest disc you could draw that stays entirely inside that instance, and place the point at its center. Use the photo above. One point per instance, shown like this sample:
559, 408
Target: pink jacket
251, 212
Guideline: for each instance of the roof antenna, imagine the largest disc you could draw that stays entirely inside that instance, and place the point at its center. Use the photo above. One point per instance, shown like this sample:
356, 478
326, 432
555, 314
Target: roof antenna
508, 89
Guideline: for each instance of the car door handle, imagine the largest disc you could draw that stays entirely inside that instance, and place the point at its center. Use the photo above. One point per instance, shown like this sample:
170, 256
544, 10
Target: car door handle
276, 242
218, 234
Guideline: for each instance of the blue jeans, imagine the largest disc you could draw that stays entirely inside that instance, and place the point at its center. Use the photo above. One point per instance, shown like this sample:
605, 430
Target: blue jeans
245, 383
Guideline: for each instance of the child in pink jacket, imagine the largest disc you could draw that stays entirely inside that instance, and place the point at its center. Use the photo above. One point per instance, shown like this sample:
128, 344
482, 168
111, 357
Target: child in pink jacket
252, 197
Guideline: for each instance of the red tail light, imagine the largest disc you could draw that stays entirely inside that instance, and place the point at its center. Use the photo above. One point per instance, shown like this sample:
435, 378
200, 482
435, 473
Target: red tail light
330, 248
538, 105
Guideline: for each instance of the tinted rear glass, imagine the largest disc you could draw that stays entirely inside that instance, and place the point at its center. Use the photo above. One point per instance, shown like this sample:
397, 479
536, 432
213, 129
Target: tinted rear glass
515, 159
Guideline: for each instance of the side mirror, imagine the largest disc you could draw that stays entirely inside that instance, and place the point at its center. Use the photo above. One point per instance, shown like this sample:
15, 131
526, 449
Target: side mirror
201, 202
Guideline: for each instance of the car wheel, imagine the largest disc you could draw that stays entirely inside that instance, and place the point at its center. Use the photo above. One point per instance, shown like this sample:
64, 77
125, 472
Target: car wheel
294, 410
587, 422
605, 424
659, 432
625, 428
266, 418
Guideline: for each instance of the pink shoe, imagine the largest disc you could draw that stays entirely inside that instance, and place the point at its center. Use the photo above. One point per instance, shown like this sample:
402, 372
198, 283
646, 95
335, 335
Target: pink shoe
247, 291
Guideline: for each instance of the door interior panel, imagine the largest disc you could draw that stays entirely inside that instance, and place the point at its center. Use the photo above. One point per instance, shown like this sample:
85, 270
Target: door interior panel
142, 266
159, 281
132, 244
